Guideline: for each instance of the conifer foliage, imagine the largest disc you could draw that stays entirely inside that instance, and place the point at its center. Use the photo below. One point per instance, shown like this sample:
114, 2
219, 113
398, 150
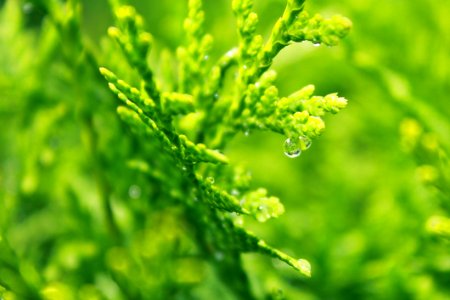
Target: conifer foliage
186, 203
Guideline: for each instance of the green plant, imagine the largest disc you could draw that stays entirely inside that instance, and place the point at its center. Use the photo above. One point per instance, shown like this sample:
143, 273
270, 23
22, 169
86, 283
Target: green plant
168, 203
216, 194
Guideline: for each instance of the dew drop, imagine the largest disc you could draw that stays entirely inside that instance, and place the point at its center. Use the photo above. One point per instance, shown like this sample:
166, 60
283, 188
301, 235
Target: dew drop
206, 57
210, 179
292, 148
238, 221
305, 142
219, 256
28, 8
216, 96
134, 191
316, 44
247, 132
232, 52
304, 266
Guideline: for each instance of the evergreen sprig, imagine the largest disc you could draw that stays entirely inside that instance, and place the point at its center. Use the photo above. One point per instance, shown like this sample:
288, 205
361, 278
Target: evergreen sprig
219, 114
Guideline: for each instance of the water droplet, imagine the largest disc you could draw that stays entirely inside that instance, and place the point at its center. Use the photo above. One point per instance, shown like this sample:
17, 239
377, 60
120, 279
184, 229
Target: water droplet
247, 132
206, 57
304, 266
245, 67
134, 191
184, 168
234, 192
263, 213
28, 8
232, 52
218, 256
216, 96
238, 221
316, 44
305, 142
257, 85
292, 148
210, 179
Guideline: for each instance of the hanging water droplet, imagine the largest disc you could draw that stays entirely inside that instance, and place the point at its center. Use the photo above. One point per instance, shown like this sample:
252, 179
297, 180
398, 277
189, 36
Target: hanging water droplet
305, 142
219, 256
262, 213
238, 221
28, 8
134, 191
246, 129
216, 96
292, 148
304, 266
232, 52
210, 179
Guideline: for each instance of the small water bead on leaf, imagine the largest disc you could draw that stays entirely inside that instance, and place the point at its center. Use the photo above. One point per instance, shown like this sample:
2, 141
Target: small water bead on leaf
305, 142
28, 8
238, 221
261, 206
232, 52
263, 213
316, 44
219, 256
210, 180
304, 267
246, 129
292, 148
134, 191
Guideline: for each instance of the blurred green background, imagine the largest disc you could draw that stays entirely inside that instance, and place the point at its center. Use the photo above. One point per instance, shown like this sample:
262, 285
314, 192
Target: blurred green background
357, 202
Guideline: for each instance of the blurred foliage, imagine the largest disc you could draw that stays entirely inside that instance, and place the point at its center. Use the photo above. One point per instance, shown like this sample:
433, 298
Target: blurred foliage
368, 205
